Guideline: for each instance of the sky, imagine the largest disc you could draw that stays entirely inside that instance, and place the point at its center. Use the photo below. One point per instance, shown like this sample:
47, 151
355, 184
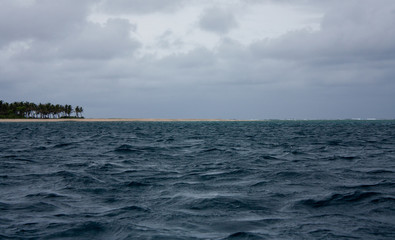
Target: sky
229, 59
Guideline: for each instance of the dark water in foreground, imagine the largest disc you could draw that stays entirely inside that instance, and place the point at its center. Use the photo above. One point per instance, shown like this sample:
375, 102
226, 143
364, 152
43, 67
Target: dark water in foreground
198, 180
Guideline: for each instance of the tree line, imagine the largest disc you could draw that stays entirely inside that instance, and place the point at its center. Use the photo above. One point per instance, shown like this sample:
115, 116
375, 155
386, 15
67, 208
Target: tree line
32, 110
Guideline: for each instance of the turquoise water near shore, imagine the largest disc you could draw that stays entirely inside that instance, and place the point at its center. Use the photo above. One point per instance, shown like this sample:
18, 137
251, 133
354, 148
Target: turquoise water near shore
198, 180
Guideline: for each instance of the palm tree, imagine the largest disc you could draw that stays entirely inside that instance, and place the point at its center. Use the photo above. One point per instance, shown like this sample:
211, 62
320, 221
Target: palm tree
81, 110
32, 110
40, 110
69, 110
76, 110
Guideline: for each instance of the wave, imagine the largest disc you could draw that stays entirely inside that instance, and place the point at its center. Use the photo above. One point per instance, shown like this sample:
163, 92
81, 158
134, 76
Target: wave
339, 199
228, 203
240, 180
137, 184
88, 229
45, 195
126, 149
244, 236
28, 207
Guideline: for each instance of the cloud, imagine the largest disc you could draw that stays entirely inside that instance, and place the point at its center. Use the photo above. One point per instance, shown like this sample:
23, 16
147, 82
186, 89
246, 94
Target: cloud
50, 49
217, 20
43, 19
51, 52
347, 29
95, 41
353, 37
139, 6
168, 40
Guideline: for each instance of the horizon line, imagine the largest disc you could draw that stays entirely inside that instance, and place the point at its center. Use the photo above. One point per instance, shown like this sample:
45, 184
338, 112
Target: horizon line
173, 119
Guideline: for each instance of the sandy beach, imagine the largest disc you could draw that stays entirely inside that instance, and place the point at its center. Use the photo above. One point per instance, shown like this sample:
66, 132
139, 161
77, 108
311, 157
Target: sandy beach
115, 120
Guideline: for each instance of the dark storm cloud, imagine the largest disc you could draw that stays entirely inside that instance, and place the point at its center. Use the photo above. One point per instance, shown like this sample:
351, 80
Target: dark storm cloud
217, 20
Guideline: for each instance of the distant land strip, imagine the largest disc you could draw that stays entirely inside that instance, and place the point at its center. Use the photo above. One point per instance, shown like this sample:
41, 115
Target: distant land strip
119, 120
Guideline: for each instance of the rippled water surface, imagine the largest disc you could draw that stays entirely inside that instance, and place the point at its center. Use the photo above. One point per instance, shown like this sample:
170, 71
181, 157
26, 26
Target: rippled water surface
198, 180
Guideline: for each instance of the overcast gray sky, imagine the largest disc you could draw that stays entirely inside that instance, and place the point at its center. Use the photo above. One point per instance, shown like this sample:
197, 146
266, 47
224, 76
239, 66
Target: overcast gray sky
243, 59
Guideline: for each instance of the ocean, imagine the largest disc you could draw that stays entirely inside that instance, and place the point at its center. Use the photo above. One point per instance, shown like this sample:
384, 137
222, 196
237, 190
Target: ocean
198, 180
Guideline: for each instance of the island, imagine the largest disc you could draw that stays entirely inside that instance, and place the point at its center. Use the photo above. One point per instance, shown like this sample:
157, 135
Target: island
29, 110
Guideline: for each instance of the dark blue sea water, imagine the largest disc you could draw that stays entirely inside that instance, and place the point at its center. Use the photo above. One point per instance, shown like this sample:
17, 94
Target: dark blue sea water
198, 180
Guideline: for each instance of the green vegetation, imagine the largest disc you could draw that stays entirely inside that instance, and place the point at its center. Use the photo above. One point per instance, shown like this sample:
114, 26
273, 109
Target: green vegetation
32, 110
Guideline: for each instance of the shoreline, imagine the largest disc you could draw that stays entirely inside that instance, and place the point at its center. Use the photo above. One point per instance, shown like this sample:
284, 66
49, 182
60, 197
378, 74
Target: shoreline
119, 120
26, 120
